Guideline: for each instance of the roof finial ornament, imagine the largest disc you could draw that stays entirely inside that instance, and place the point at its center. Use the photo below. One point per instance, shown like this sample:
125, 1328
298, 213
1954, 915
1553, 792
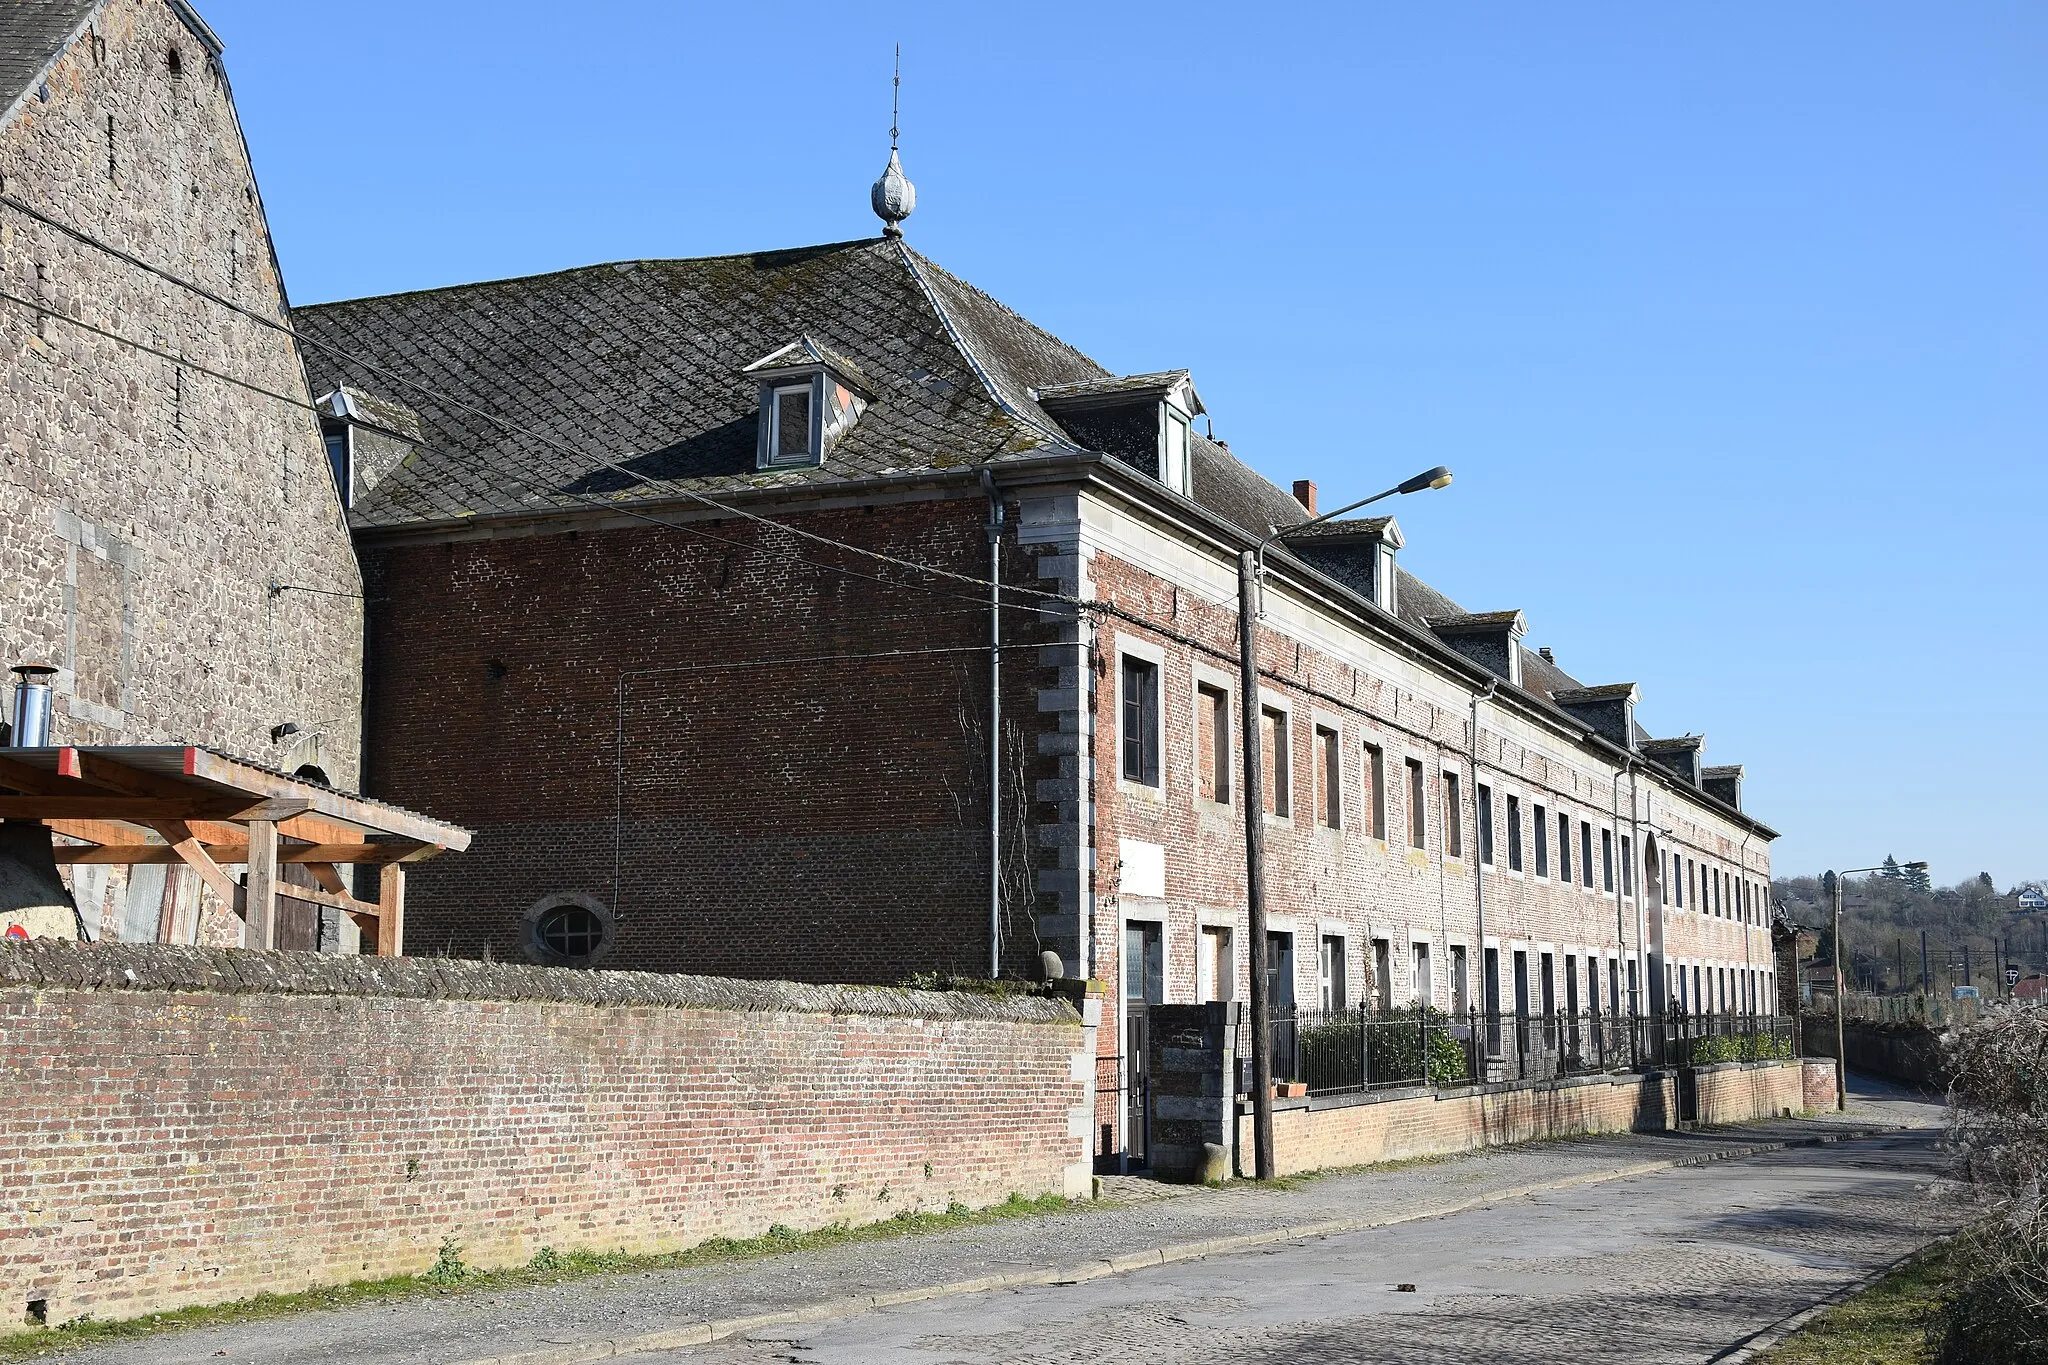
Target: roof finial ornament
893, 196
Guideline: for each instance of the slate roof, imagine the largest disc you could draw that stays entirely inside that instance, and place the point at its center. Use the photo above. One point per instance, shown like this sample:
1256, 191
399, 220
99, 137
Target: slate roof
640, 363
32, 32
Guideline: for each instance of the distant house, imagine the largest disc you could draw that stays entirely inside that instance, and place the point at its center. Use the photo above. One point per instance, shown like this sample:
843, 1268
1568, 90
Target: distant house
2032, 898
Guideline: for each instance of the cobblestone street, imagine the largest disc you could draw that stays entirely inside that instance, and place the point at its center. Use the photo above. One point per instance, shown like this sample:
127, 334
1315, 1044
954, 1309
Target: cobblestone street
1674, 1267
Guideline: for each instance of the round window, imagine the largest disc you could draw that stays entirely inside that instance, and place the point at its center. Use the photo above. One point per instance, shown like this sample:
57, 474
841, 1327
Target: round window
568, 930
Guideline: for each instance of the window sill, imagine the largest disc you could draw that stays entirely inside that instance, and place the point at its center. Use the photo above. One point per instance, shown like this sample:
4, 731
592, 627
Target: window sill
1139, 791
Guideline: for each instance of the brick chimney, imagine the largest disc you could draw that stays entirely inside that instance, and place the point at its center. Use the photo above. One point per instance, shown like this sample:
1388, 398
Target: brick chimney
1305, 494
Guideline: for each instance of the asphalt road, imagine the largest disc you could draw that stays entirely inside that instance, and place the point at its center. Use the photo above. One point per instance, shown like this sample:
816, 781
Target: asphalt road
1684, 1265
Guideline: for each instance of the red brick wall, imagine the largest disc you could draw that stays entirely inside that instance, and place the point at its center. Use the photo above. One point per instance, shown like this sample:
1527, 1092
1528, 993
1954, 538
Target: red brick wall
300, 1123
823, 820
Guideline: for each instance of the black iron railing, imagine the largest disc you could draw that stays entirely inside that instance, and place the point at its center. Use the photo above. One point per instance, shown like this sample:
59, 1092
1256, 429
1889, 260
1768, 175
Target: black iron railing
1335, 1052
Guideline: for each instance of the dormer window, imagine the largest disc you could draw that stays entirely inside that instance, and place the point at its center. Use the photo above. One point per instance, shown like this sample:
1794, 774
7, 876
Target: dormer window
1139, 419
810, 398
1173, 453
792, 438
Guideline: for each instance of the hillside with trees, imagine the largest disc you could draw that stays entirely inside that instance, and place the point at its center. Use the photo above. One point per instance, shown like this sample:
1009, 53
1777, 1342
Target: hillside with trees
1972, 928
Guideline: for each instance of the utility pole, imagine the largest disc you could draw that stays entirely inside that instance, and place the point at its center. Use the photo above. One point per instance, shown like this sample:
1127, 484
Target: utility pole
1841, 1003
1255, 862
1926, 982
1250, 567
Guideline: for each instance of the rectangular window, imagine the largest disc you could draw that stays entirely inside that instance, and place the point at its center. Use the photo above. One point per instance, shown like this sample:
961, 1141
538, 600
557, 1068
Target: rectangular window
1330, 973
1382, 974
1542, 827
1273, 737
1635, 1004
1514, 834
1485, 820
1678, 881
1628, 868
1141, 721
1216, 968
1212, 743
1461, 998
1593, 987
1418, 814
1564, 848
1454, 818
1692, 883
1720, 898
1607, 861
1329, 791
1548, 986
1571, 988
1144, 963
1375, 768
1425, 982
1279, 971
1614, 983
1173, 463
1586, 853
791, 431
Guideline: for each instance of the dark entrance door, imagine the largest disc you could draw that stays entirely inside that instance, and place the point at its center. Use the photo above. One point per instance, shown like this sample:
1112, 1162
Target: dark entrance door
1144, 986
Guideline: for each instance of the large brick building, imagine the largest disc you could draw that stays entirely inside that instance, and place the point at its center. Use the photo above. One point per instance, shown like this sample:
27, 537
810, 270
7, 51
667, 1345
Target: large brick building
678, 580
170, 538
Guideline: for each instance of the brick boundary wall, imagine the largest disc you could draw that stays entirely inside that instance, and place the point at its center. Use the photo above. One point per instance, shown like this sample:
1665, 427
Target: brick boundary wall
1309, 1135
193, 1125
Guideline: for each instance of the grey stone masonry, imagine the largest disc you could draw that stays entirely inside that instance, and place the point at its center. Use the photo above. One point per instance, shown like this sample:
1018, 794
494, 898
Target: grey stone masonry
170, 536
1193, 1068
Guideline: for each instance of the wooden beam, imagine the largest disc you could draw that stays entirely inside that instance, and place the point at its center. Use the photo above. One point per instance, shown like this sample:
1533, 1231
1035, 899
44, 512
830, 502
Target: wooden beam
391, 907
272, 809
340, 900
328, 878
336, 805
98, 831
101, 771
261, 885
129, 854
186, 848
24, 777
133, 809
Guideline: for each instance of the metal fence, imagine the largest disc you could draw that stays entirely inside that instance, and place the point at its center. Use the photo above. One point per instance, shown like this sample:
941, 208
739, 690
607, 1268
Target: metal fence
1336, 1052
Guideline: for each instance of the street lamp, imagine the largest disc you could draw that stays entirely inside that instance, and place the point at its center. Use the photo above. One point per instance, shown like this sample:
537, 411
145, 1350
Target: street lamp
1833, 882
1250, 565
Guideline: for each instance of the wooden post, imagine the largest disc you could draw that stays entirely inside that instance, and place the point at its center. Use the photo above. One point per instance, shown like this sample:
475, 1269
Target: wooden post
391, 910
260, 930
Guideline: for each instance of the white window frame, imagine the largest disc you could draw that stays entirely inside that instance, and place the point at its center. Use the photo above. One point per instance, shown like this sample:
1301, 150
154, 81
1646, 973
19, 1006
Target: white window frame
1227, 739
777, 458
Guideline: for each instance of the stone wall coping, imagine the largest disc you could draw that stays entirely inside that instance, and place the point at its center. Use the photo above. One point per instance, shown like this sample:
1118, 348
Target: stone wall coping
55, 964
1321, 1103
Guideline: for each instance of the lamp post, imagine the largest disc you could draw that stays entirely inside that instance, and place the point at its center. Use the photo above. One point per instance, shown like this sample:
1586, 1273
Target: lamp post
1833, 882
1250, 565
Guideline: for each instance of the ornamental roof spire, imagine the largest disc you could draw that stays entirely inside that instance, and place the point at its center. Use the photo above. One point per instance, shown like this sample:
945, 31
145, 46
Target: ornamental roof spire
893, 196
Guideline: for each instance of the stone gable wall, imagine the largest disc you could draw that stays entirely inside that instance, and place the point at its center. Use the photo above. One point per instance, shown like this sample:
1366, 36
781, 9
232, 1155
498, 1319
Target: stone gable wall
146, 506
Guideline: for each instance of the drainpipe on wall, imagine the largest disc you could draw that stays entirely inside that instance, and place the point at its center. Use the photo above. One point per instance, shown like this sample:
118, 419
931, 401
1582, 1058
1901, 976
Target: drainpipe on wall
1478, 865
1635, 829
995, 724
1627, 877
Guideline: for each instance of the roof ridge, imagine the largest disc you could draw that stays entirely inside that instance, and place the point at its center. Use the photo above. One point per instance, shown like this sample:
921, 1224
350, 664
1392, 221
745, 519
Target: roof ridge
919, 258
820, 249
911, 261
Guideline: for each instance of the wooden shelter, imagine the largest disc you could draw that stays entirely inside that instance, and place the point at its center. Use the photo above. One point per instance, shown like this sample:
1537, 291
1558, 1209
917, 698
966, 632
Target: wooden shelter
190, 805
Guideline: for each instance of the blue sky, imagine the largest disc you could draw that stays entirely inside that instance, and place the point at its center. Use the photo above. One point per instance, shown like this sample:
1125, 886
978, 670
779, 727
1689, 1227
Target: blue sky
1729, 318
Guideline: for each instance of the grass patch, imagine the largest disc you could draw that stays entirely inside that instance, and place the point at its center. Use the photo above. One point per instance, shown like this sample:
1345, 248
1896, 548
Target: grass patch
450, 1277
1885, 1324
